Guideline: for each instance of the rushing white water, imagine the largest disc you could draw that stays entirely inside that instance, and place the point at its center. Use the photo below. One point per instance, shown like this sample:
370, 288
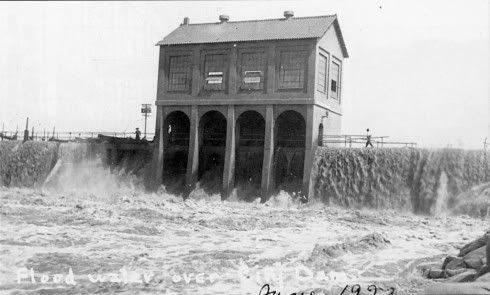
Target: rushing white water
440, 205
98, 220
105, 229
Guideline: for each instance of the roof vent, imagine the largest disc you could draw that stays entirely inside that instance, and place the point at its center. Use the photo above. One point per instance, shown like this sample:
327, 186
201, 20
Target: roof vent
288, 14
224, 18
186, 21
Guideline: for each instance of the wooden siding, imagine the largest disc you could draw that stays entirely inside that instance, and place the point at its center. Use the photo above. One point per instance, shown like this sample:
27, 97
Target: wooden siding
265, 55
329, 46
234, 86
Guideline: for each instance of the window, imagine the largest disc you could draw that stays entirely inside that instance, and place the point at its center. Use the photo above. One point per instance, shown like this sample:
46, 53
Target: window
322, 73
292, 69
214, 71
335, 82
253, 66
179, 74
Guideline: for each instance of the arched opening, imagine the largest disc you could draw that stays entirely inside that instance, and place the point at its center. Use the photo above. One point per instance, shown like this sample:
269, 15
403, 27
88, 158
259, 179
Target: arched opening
289, 154
249, 153
176, 142
212, 138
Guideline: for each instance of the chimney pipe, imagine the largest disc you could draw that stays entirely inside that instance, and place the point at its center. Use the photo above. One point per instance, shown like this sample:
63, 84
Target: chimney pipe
224, 18
288, 14
186, 21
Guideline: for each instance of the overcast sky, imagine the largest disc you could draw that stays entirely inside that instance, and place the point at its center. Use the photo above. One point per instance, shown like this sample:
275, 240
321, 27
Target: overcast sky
418, 70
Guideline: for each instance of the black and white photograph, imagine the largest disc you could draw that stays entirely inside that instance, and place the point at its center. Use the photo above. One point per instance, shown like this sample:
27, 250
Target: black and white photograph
249, 147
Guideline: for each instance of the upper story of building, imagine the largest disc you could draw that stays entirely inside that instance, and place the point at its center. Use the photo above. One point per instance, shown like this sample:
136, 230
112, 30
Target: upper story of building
285, 60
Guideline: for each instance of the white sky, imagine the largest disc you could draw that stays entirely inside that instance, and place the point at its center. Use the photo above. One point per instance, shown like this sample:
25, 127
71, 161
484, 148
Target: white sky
418, 70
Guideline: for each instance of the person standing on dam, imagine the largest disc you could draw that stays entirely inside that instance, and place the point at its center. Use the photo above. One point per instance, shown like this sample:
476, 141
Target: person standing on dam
138, 134
368, 139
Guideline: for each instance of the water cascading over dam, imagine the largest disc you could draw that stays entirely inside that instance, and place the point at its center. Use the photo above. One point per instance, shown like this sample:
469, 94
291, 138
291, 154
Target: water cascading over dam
419, 180
45, 164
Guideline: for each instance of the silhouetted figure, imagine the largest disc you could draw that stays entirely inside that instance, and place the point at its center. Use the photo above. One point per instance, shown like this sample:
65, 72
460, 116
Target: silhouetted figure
368, 139
138, 134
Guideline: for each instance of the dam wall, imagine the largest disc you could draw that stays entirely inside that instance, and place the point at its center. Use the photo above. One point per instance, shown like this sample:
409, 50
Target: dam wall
33, 163
425, 181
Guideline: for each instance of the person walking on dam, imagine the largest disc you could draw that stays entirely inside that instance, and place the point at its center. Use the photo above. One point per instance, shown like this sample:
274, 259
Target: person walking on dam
368, 139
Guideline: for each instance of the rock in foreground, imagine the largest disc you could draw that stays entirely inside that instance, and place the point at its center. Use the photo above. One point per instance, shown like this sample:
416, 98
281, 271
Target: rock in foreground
469, 273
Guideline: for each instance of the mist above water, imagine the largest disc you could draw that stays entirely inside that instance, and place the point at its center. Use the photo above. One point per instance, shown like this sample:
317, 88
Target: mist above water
90, 176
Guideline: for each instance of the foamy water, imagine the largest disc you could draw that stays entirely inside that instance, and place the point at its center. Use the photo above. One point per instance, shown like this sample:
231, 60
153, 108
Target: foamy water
97, 220
243, 243
90, 176
424, 181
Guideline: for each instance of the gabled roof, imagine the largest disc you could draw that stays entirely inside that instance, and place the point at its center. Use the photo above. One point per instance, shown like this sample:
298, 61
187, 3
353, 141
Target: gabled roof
255, 30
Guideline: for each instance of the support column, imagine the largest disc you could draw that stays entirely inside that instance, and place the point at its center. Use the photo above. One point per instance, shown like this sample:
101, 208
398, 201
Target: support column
271, 68
196, 72
267, 167
229, 168
232, 71
309, 154
193, 156
159, 147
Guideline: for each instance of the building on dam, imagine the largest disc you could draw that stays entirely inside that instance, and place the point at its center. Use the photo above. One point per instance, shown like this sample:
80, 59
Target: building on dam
244, 104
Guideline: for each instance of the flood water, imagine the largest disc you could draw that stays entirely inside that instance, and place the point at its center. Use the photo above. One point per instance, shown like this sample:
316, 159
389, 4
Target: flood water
206, 246
89, 229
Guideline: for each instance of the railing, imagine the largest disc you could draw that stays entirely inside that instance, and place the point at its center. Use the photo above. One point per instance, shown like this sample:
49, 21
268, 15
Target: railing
350, 141
69, 136
346, 140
